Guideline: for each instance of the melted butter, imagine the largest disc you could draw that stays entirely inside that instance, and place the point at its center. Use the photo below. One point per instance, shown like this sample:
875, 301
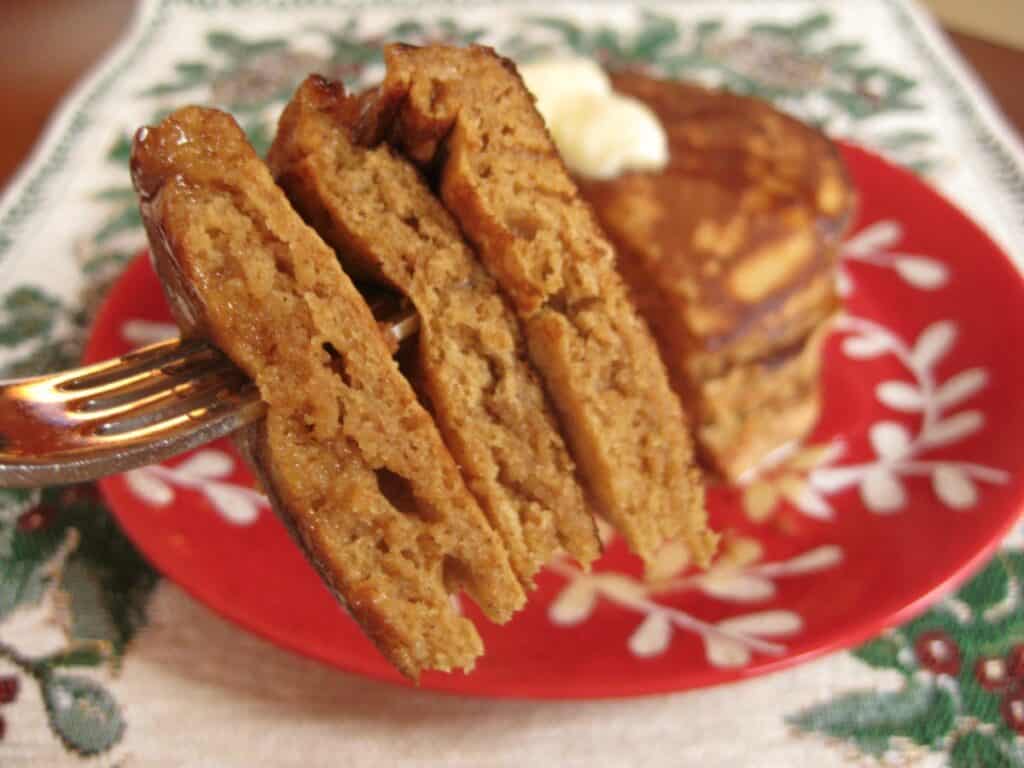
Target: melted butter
599, 133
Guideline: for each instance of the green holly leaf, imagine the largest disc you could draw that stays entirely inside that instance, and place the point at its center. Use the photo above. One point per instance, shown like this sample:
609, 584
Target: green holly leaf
190, 74
24, 557
25, 313
976, 701
899, 140
47, 355
123, 220
451, 30
1014, 562
922, 713
14, 501
980, 750
108, 581
842, 54
119, 194
657, 33
78, 655
813, 24
82, 713
855, 105
987, 588
91, 617
606, 43
406, 29
571, 33
120, 151
883, 652
797, 32
707, 29
259, 135
237, 48
106, 261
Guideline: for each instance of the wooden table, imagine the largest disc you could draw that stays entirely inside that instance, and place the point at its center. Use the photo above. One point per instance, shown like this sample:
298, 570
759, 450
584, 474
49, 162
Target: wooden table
49, 45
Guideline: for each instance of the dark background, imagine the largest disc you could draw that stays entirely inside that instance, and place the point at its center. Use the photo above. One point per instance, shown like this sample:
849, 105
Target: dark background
47, 45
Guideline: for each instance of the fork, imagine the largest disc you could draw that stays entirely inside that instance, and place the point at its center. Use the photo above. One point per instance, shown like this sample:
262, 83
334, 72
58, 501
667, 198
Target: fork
138, 409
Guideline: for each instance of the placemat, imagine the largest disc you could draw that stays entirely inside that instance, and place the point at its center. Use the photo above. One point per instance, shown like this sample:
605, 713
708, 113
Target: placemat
103, 663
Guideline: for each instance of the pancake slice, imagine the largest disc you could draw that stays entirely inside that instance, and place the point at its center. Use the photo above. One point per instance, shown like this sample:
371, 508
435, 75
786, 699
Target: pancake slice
351, 460
464, 114
374, 209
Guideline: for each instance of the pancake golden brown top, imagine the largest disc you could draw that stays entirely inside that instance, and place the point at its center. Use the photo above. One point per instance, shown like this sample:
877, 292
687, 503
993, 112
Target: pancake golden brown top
730, 250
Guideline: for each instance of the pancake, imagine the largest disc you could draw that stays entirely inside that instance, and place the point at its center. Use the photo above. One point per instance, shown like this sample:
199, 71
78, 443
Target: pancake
351, 460
375, 210
730, 253
464, 116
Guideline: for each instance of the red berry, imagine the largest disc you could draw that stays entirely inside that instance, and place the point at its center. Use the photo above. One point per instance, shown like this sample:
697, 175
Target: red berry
938, 652
991, 673
9, 687
1015, 663
36, 518
1012, 709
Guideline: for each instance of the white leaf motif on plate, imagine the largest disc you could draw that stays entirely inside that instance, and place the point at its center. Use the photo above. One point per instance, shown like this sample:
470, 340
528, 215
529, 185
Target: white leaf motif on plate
833, 479
139, 333
737, 587
954, 428
147, 486
890, 440
574, 604
817, 559
864, 347
651, 638
455, 603
236, 505
933, 343
900, 396
725, 652
844, 285
813, 504
954, 487
878, 236
921, 272
764, 624
882, 491
208, 464
962, 386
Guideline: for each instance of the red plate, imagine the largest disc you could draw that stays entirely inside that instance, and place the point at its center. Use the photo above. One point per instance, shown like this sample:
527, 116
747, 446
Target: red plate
909, 482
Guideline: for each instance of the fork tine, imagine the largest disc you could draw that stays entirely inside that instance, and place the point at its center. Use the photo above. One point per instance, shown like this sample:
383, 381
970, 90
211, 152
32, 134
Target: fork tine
193, 394
131, 367
207, 407
158, 386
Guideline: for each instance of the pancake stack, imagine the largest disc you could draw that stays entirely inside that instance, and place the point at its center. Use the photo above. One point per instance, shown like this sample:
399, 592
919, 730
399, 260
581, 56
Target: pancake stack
730, 256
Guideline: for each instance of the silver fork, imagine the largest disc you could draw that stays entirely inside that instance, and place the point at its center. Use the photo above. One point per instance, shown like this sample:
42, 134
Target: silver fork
121, 414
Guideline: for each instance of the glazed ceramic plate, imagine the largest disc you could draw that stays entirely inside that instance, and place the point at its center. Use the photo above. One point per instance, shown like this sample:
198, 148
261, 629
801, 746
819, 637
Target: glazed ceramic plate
908, 482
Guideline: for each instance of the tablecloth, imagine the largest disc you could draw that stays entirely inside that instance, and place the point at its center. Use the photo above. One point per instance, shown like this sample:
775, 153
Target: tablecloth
104, 663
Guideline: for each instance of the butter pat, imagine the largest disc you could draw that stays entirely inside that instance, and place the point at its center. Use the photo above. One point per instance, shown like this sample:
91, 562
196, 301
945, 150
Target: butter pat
598, 132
